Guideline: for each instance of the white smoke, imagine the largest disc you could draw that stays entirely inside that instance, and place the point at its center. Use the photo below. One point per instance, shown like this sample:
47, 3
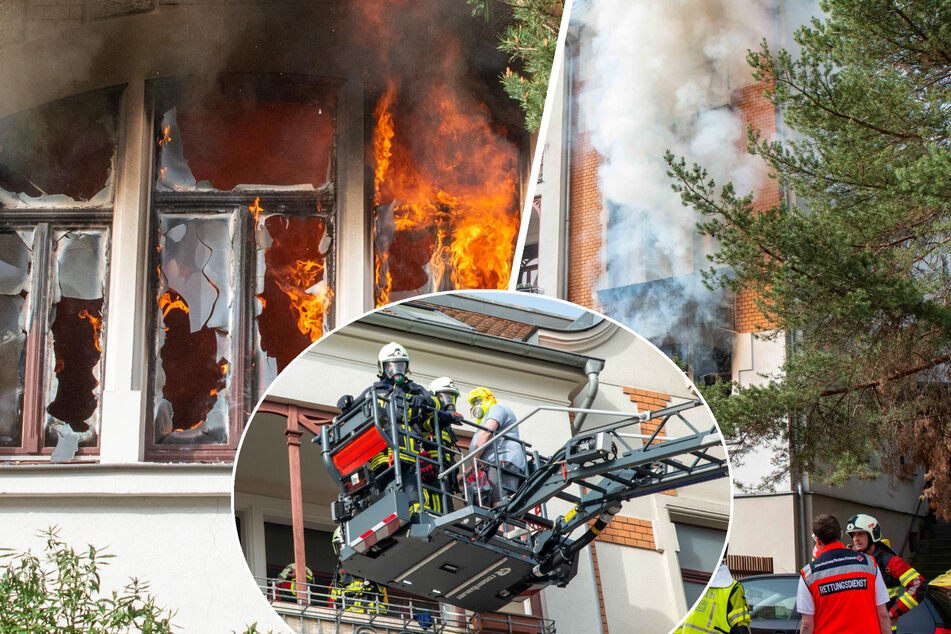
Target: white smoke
660, 78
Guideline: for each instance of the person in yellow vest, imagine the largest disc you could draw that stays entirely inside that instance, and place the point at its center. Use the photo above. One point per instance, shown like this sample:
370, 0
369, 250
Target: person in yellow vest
350, 593
287, 589
722, 608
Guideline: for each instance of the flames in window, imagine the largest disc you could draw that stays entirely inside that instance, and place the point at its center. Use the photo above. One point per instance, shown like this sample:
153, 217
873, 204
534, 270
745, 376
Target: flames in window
445, 199
296, 295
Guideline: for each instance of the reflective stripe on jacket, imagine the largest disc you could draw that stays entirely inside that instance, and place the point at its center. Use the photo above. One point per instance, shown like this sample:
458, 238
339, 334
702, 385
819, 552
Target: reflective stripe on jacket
720, 611
842, 584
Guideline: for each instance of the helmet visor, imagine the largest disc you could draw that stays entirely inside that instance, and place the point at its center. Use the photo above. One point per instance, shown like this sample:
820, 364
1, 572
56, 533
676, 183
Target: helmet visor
394, 368
447, 399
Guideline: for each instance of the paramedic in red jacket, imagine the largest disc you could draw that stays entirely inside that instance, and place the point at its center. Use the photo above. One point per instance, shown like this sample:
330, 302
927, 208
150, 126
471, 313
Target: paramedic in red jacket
841, 591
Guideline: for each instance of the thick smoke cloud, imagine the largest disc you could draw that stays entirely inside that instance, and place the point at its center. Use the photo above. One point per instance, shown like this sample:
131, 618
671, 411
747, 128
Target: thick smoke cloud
660, 77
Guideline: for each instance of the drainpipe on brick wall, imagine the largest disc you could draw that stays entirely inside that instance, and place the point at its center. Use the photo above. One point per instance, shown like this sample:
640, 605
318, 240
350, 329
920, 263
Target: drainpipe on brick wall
568, 109
592, 368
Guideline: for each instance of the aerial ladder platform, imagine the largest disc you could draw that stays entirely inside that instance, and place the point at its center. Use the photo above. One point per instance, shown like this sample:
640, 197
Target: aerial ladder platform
482, 558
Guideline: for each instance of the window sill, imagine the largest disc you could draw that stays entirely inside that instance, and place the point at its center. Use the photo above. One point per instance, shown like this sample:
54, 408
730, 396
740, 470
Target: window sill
115, 480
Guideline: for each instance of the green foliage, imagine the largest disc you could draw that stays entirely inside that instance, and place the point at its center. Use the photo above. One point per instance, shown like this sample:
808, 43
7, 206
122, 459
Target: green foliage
60, 592
857, 270
529, 39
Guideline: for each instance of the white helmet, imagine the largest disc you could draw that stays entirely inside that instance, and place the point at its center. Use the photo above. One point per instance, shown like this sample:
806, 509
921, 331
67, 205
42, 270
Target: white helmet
445, 390
864, 523
393, 361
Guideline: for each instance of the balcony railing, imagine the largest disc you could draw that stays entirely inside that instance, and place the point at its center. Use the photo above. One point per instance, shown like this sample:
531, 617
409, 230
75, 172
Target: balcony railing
310, 608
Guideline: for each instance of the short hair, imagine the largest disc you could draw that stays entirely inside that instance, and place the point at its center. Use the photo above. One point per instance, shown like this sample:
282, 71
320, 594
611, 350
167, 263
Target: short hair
826, 528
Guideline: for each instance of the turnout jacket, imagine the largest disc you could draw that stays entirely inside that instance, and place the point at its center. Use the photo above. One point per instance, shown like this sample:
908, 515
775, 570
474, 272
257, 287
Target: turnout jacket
906, 587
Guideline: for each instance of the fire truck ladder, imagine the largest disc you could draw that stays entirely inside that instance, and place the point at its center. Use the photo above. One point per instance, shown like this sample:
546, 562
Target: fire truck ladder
622, 472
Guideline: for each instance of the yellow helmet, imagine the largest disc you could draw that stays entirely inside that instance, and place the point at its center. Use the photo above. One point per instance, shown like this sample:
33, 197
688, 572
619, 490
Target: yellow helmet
480, 400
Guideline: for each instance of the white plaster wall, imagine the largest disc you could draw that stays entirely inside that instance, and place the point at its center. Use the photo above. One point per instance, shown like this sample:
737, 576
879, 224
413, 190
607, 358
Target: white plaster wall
183, 546
575, 608
637, 601
765, 526
757, 359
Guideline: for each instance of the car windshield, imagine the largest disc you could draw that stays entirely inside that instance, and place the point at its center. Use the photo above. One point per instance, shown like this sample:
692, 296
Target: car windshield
771, 597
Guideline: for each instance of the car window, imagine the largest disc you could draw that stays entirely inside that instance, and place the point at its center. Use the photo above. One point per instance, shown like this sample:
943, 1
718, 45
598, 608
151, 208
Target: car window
771, 597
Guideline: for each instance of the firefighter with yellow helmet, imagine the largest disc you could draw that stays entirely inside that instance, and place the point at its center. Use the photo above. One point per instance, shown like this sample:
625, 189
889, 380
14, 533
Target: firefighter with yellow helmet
722, 608
353, 594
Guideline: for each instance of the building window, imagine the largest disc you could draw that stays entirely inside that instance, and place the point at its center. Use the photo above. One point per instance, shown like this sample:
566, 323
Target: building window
243, 229
698, 557
56, 167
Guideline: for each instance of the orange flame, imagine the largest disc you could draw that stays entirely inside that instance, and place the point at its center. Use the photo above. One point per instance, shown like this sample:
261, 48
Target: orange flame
462, 193
256, 209
166, 138
166, 304
310, 296
96, 323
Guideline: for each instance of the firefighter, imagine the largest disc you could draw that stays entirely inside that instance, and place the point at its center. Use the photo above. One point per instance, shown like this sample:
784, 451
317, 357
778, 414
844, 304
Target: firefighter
906, 587
446, 393
416, 407
841, 591
286, 589
353, 594
722, 609
504, 461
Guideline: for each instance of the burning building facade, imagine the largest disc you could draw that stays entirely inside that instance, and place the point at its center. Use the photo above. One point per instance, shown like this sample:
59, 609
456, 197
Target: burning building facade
613, 235
190, 195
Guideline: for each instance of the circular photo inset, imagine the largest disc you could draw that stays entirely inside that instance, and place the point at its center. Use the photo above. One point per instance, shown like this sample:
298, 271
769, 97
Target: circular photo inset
482, 461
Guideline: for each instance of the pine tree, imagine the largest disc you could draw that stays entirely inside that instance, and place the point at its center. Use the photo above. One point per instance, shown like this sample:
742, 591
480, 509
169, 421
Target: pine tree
857, 270
529, 40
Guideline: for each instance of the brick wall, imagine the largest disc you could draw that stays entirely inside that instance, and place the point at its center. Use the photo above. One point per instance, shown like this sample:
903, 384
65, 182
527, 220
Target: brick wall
584, 230
761, 114
648, 401
629, 531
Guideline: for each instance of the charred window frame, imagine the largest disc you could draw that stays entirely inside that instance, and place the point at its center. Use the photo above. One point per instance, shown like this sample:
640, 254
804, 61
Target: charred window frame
56, 172
233, 244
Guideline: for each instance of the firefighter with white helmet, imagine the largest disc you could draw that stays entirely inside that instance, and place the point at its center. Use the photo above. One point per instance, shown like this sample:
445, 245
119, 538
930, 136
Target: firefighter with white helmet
906, 587
446, 393
393, 363
416, 406
353, 594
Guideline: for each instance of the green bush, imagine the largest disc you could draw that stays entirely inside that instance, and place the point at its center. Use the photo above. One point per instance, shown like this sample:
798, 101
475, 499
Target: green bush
61, 592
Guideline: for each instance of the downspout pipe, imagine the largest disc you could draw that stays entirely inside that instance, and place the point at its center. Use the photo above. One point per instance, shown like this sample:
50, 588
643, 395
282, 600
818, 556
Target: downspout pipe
592, 368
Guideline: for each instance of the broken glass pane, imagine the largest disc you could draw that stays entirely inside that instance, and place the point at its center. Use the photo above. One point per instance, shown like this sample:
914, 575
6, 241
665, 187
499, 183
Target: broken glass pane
74, 355
293, 291
223, 137
15, 253
61, 153
194, 311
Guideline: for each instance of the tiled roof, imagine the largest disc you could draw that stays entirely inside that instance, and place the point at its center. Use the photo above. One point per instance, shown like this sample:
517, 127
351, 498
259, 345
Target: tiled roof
487, 324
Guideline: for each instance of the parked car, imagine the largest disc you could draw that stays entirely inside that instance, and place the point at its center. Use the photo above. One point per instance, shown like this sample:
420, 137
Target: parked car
772, 600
